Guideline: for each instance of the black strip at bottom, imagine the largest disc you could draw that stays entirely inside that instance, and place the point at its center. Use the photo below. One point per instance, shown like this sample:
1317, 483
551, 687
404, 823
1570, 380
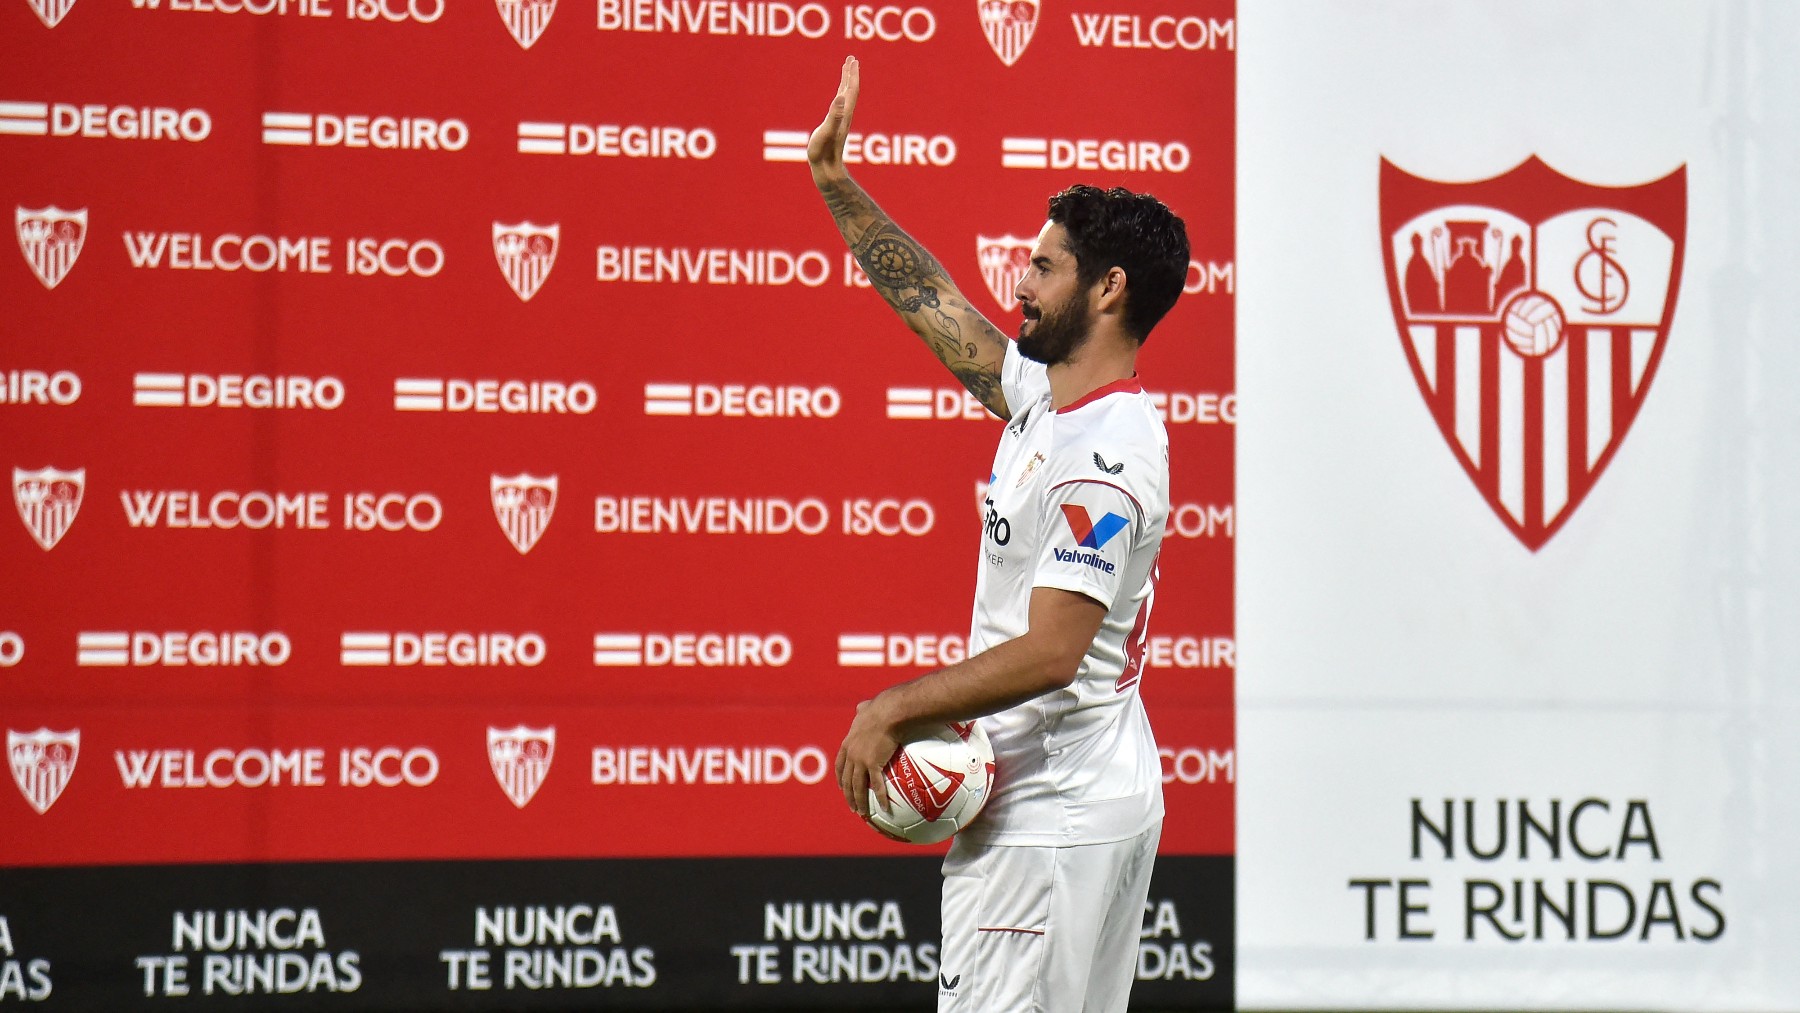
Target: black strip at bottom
627, 934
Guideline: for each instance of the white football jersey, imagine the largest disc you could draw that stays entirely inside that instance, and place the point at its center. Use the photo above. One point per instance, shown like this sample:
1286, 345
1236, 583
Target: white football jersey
1078, 499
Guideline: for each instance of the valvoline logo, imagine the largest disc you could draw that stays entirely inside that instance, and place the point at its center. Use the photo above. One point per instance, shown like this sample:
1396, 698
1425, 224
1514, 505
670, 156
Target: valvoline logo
1089, 533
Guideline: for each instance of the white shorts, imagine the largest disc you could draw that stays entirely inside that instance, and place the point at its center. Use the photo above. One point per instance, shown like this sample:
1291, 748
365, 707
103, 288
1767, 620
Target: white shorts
1043, 930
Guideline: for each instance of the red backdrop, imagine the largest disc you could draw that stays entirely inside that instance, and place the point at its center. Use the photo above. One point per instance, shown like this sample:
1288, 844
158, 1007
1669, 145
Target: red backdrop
255, 156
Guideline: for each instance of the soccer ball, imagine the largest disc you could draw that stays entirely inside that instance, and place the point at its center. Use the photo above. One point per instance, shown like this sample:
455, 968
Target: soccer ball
936, 784
1534, 324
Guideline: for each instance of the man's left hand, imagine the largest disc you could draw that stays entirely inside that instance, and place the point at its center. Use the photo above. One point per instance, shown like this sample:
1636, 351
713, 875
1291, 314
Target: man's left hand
867, 747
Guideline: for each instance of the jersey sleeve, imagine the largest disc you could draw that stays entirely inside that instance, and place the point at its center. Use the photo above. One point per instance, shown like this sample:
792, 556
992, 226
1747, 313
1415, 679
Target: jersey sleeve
1092, 527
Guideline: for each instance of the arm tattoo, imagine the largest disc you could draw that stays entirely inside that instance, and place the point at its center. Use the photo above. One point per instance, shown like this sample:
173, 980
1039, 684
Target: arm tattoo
985, 385
916, 286
840, 200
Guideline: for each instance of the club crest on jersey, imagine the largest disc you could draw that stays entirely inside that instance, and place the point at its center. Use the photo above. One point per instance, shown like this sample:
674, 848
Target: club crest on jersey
523, 505
1031, 466
526, 19
50, 238
1003, 262
526, 253
48, 501
1009, 26
51, 12
1533, 310
521, 758
42, 763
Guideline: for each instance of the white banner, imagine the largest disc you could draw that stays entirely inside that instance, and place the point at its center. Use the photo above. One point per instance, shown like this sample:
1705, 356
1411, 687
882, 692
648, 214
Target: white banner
1519, 557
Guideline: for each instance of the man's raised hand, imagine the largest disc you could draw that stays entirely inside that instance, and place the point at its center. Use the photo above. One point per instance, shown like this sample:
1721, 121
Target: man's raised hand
825, 148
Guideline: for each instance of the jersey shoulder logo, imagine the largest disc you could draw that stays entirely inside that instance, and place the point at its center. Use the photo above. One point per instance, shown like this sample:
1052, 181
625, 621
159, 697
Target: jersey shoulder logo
1110, 469
1533, 309
1089, 533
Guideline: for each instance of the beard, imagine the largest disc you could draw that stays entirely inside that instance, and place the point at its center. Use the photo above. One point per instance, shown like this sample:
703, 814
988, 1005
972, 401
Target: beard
1060, 331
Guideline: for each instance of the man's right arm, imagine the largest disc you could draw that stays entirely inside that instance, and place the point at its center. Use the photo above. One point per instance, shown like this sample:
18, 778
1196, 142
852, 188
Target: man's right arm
905, 273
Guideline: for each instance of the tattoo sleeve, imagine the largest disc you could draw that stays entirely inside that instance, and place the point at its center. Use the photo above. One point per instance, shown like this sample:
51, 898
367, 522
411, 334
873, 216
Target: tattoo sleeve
917, 287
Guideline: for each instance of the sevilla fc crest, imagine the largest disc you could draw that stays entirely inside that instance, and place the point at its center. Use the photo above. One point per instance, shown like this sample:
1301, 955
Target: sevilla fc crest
48, 501
42, 763
526, 253
523, 504
1003, 263
521, 759
1008, 25
526, 19
51, 12
51, 239
1533, 309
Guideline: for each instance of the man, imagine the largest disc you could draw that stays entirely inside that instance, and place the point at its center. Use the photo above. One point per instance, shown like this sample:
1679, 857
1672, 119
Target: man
1044, 893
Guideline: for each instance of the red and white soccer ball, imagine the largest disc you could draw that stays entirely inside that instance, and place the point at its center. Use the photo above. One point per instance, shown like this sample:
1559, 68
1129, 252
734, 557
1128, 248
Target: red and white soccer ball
937, 784
1534, 324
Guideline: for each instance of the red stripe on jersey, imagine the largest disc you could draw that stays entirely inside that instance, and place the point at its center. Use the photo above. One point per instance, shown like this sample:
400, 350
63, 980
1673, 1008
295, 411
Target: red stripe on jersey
1129, 385
1139, 637
1109, 485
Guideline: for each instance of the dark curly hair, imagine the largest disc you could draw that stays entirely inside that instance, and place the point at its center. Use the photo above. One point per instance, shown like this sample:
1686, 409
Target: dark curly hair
1134, 232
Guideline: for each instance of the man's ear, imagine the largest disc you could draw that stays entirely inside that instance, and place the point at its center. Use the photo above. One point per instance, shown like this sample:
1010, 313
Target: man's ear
1111, 289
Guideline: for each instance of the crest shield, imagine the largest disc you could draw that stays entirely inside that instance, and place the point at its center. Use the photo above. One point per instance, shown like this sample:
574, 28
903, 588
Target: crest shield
1009, 26
48, 501
51, 12
526, 19
1003, 263
50, 238
1533, 309
526, 253
521, 758
523, 505
42, 763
